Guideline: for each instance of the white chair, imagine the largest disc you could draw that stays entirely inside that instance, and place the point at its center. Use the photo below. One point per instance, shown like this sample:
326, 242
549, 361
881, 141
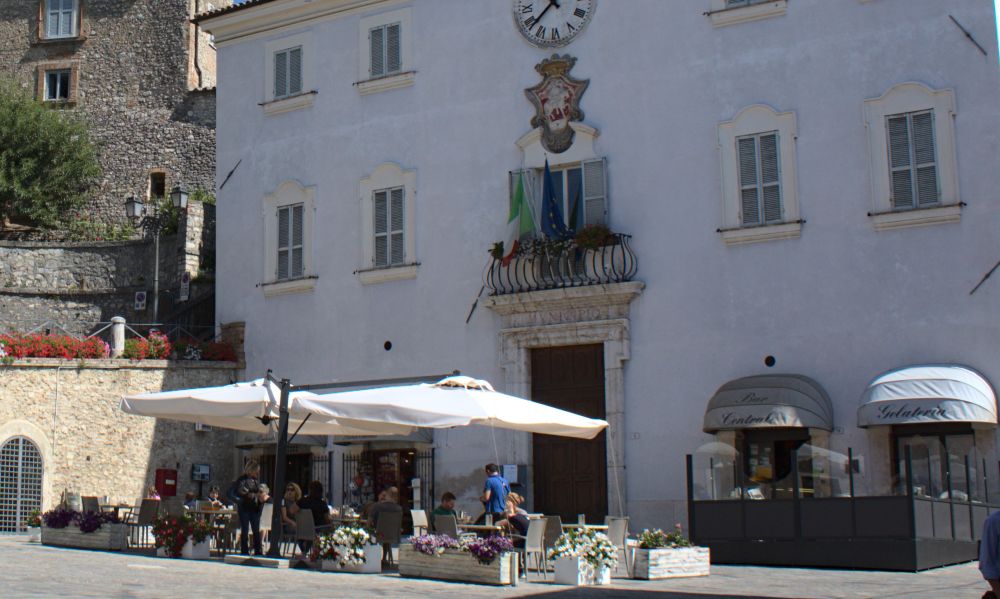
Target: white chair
618, 535
420, 523
265, 522
534, 544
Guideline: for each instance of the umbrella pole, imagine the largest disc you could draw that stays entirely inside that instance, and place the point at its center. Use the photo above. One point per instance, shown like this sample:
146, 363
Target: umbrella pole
279, 472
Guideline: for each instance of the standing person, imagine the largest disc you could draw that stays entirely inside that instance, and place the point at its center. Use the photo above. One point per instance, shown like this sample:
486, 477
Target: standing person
249, 506
495, 492
989, 555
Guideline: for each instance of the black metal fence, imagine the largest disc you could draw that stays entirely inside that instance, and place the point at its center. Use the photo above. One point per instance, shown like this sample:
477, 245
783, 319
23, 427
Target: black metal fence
356, 482
545, 264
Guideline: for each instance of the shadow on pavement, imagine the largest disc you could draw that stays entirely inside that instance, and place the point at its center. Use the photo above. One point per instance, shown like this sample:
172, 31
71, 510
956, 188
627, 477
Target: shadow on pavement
638, 594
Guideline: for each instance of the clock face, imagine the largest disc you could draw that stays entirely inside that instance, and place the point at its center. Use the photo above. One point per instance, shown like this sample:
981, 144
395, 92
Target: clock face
552, 23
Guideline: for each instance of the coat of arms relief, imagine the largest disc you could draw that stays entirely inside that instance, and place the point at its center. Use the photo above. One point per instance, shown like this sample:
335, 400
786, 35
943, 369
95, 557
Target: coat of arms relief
557, 102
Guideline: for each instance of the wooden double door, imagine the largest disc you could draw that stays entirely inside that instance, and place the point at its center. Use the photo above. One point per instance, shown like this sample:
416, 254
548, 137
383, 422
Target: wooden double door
570, 475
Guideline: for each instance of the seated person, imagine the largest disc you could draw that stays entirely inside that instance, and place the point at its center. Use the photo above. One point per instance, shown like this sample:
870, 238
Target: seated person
190, 501
517, 523
290, 507
315, 503
213, 496
388, 502
447, 507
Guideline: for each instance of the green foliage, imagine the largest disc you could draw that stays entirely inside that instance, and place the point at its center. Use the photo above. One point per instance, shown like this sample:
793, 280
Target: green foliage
47, 161
202, 195
657, 539
171, 216
85, 229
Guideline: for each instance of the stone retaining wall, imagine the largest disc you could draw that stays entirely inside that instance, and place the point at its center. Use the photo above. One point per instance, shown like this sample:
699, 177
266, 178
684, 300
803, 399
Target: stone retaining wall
70, 410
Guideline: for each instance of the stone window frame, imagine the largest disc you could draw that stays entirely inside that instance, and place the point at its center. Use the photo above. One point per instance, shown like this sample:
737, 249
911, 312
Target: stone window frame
721, 14
42, 14
34, 433
288, 193
388, 175
402, 78
906, 98
42, 70
307, 96
756, 119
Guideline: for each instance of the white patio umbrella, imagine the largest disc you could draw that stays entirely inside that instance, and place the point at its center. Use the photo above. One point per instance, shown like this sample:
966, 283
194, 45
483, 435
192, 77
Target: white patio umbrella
454, 401
250, 406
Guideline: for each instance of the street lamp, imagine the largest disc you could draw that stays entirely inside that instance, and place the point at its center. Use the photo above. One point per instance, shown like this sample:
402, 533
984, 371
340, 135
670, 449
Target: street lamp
153, 221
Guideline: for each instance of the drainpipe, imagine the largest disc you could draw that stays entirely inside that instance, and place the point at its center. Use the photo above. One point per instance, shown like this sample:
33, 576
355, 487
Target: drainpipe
197, 28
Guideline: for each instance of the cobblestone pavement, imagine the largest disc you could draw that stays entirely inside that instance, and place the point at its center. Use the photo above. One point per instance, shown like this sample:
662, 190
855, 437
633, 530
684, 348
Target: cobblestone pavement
30, 570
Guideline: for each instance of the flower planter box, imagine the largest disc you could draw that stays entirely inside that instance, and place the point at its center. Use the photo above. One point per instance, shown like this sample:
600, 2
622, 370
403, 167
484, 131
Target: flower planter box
458, 565
109, 537
372, 565
34, 534
190, 550
677, 562
575, 571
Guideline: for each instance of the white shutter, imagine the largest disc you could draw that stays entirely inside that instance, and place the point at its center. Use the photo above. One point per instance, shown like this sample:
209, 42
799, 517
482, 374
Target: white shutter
899, 161
283, 243
392, 52
396, 223
595, 192
770, 177
280, 74
298, 243
52, 18
381, 214
749, 200
924, 158
376, 39
294, 71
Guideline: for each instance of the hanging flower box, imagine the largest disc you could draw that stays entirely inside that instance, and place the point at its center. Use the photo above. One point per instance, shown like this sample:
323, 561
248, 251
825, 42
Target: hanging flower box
443, 558
109, 537
372, 561
668, 555
577, 571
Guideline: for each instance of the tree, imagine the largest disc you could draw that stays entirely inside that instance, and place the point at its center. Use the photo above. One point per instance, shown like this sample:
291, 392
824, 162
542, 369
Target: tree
47, 162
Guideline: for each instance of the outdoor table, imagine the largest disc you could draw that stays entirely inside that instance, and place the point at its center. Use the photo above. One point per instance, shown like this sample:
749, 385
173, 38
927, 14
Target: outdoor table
116, 508
482, 528
587, 526
213, 514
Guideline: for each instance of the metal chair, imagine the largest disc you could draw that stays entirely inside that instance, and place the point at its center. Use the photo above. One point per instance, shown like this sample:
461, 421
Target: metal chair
305, 531
534, 544
143, 523
448, 525
265, 523
387, 531
618, 534
91, 504
553, 529
421, 526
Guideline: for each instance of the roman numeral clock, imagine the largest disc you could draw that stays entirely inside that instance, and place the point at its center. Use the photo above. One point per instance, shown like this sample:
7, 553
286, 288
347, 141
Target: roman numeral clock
552, 23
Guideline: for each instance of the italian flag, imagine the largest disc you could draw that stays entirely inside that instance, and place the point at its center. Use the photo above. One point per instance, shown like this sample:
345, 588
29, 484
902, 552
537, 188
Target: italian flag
520, 221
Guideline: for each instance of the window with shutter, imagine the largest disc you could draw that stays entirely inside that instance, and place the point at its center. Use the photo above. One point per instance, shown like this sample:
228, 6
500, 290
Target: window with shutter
384, 50
595, 192
288, 72
912, 160
759, 179
580, 190
291, 242
61, 18
388, 227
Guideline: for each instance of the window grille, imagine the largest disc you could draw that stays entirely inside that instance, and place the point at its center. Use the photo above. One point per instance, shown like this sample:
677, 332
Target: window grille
20, 483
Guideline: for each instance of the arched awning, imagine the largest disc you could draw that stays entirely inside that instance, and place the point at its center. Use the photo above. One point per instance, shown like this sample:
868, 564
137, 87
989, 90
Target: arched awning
769, 401
927, 394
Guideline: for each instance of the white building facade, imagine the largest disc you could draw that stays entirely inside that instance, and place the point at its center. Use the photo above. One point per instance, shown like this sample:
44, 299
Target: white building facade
808, 187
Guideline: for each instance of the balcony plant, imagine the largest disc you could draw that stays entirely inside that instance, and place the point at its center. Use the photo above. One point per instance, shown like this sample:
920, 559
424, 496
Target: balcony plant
155, 347
592, 237
584, 557
669, 555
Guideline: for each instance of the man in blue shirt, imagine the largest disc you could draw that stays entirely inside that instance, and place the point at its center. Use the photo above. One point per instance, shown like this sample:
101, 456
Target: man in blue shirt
495, 492
989, 553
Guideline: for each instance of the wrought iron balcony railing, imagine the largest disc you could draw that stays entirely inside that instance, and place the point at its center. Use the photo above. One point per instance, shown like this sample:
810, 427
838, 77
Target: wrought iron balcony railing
545, 264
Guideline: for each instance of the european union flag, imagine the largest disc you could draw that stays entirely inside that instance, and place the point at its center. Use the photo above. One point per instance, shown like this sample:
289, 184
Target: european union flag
553, 224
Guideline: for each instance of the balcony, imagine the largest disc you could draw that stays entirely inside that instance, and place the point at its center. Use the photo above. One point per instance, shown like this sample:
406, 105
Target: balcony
556, 264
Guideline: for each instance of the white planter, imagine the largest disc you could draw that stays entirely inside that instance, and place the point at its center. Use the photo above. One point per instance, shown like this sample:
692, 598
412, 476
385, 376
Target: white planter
372, 565
575, 571
192, 550
34, 534
677, 562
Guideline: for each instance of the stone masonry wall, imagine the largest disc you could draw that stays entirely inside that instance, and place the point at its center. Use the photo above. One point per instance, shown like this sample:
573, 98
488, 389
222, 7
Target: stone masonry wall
71, 411
133, 63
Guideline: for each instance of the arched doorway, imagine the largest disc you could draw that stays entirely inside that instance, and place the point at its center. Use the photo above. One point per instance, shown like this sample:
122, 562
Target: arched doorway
20, 482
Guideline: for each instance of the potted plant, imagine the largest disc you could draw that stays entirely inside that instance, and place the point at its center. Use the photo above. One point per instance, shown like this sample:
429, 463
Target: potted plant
198, 544
348, 549
669, 555
182, 536
86, 530
584, 557
34, 525
595, 236
487, 561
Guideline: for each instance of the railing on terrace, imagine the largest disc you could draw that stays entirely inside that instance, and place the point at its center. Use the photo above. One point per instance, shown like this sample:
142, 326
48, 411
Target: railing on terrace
546, 264
102, 330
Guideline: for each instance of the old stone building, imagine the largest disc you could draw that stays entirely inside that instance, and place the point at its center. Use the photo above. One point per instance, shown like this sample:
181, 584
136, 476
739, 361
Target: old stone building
141, 73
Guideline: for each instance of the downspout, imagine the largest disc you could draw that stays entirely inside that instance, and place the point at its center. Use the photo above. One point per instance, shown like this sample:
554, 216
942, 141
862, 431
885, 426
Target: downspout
197, 28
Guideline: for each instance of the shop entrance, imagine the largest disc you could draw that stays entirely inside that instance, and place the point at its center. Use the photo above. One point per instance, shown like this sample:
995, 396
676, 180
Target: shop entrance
298, 470
570, 475
767, 461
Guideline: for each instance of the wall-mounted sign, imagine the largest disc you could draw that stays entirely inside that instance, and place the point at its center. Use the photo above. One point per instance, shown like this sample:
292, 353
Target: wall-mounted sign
185, 286
140, 301
557, 102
